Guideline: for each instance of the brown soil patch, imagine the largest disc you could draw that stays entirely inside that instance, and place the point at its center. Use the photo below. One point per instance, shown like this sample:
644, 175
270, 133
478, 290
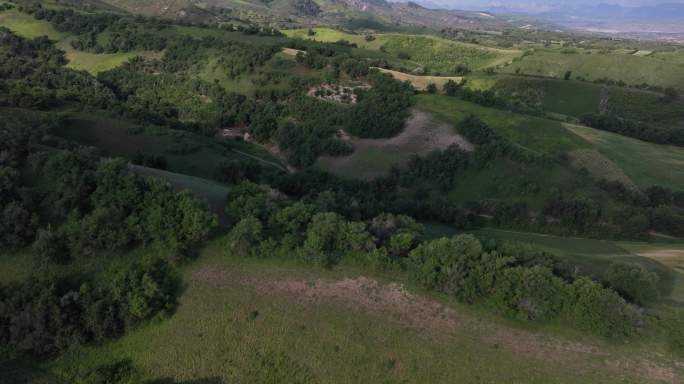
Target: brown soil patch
423, 133
391, 300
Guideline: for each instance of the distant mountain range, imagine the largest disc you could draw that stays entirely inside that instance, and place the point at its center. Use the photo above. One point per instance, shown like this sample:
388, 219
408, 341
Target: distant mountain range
363, 14
609, 17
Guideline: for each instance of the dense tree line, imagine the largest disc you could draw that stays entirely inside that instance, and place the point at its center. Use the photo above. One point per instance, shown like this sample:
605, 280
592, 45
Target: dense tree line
639, 130
46, 316
518, 281
32, 76
72, 206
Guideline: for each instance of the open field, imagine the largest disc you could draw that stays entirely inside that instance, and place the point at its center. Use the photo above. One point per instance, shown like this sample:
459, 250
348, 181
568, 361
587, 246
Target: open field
655, 165
26, 26
532, 133
421, 82
438, 54
375, 157
268, 321
95, 63
616, 66
599, 166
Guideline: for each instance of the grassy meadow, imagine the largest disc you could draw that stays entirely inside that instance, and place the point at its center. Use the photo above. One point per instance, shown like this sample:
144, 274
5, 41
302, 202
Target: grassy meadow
655, 165
535, 134
274, 321
376, 157
26, 26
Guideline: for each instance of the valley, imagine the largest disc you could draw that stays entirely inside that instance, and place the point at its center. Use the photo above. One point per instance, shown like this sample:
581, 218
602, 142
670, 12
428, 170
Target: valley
312, 191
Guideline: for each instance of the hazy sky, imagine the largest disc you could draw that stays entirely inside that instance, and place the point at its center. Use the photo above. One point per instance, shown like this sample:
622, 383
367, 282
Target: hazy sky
532, 3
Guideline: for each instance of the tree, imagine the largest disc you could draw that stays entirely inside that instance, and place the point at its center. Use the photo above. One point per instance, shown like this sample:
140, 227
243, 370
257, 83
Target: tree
634, 282
451, 88
50, 247
431, 88
568, 75
245, 237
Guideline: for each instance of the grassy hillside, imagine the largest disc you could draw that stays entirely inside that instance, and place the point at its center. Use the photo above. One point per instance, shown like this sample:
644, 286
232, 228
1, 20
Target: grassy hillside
663, 71
274, 321
654, 165
532, 133
437, 54
26, 26
119, 138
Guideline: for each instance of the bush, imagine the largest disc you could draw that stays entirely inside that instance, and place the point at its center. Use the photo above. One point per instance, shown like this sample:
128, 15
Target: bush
633, 282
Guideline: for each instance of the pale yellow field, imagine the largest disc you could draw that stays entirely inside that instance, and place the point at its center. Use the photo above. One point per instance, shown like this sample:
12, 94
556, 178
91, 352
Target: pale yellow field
421, 82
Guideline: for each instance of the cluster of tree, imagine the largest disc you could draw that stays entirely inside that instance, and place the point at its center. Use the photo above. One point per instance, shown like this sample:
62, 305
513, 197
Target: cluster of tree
32, 76
46, 316
463, 268
124, 34
639, 130
381, 110
85, 206
517, 280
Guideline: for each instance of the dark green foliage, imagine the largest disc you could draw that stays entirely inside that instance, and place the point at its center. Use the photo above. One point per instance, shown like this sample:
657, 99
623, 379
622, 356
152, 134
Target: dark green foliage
648, 132
431, 88
251, 200
451, 88
245, 237
329, 237
45, 317
461, 267
578, 212
596, 309
633, 282
32, 76
307, 7
381, 110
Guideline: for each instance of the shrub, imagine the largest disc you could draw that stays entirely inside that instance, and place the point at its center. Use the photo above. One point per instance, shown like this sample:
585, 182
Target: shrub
633, 282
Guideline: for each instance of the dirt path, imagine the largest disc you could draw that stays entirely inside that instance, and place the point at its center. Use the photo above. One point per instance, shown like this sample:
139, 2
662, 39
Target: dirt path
433, 319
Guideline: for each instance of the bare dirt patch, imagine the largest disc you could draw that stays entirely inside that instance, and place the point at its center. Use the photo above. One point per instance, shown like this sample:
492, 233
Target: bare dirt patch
391, 300
375, 157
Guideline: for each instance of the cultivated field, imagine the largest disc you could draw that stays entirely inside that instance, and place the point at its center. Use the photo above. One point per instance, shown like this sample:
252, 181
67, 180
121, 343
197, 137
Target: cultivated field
421, 82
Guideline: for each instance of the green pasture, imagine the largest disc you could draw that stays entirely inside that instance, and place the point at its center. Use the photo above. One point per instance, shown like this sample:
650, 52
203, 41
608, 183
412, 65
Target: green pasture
663, 71
236, 322
26, 26
655, 164
535, 134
